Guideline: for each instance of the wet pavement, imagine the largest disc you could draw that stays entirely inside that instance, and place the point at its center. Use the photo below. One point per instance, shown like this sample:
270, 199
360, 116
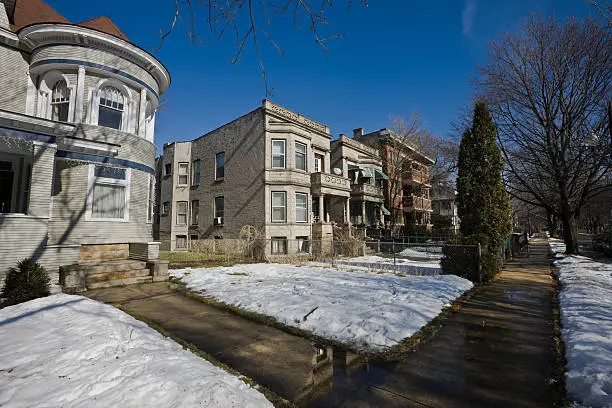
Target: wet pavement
497, 351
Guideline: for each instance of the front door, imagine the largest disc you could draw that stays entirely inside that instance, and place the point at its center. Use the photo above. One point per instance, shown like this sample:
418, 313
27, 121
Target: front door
6, 188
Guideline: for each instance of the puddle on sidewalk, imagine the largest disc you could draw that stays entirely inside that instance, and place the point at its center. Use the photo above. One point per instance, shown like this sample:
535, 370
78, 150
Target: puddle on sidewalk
337, 373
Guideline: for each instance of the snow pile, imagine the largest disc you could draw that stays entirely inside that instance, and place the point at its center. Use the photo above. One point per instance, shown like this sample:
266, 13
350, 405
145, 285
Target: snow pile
423, 252
586, 315
69, 351
400, 265
556, 246
369, 311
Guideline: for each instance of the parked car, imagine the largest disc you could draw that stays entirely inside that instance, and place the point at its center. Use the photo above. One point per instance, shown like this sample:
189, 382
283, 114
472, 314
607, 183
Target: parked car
603, 243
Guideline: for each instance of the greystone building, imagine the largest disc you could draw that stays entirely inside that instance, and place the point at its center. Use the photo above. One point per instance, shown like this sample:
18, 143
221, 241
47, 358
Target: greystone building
272, 169
444, 205
77, 114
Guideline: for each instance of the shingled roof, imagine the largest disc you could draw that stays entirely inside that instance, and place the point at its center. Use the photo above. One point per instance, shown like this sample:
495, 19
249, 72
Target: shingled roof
34, 11
104, 24
29, 12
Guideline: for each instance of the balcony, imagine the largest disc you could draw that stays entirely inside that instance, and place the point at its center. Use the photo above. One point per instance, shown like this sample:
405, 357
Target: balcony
416, 176
414, 203
324, 183
368, 192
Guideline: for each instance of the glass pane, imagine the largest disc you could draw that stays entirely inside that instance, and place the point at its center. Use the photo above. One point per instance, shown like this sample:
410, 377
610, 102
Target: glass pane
196, 172
278, 147
278, 214
300, 161
109, 117
278, 199
183, 168
60, 111
278, 161
108, 201
181, 207
219, 206
109, 172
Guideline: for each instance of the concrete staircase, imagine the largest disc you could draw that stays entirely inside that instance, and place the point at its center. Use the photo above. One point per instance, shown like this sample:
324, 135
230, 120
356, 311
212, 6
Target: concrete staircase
118, 272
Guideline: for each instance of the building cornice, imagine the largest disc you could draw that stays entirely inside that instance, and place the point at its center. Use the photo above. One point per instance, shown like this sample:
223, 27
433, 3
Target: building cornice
40, 35
284, 113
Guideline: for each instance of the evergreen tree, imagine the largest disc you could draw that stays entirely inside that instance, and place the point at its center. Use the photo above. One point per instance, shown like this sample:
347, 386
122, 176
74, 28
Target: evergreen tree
482, 203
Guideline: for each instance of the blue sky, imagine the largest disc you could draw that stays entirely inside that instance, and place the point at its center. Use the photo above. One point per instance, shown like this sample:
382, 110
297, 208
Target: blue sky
396, 57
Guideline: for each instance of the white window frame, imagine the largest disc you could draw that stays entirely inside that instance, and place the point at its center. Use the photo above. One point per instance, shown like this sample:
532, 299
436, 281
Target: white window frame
274, 240
318, 162
215, 205
284, 154
165, 208
128, 120
284, 193
301, 242
151, 199
305, 209
305, 155
179, 175
91, 181
45, 90
179, 213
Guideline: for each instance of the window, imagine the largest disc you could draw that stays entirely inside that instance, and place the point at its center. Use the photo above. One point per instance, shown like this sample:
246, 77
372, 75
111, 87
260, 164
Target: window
166, 207
60, 101
220, 166
279, 206
183, 174
318, 163
278, 154
168, 169
303, 244
109, 192
15, 174
219, 207
301, 207
300, 156
181, 241
110, 110
279, 245
181, 213
195, 212
195, 169
151, 196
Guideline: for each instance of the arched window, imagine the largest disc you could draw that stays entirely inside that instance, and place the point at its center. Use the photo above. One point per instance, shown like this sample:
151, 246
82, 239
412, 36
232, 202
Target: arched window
110, 108
60, 101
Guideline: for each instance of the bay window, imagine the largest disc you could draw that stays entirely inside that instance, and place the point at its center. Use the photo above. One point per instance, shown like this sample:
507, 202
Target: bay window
108, 193
278, 153
279, 206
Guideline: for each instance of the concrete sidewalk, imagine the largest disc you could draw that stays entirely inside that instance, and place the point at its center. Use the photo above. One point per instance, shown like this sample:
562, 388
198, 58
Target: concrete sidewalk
281, 362
497, 351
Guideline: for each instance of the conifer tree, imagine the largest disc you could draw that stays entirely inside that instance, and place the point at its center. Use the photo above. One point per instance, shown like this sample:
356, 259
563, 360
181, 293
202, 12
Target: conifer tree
482, 203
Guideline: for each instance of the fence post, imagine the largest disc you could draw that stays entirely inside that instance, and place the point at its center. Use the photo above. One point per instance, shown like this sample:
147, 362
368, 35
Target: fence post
393, 248
333, 250
479, 263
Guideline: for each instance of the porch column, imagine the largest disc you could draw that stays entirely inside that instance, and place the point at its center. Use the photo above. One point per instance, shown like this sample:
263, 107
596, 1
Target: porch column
363, 212
328, 199
41, 179
321, 210
381, 217
347, 206
80, 95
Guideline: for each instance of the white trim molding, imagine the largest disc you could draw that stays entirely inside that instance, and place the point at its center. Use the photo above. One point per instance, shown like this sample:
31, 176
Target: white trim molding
45, 88
128, 120
91, 182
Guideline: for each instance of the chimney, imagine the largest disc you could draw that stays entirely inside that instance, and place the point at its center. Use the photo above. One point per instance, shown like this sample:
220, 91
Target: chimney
357, 132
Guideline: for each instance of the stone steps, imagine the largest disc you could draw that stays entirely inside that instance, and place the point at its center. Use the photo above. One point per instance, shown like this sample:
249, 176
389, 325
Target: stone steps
113, 276
120, 282
98, 267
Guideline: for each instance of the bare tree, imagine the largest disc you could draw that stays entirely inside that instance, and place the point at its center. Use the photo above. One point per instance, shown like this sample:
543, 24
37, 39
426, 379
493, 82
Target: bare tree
548, 88
247, 21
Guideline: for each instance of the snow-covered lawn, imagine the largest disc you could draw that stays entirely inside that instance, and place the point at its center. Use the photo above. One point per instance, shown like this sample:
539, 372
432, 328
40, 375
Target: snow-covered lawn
400, 265
586, 315
70, 351
423, 252
369, 311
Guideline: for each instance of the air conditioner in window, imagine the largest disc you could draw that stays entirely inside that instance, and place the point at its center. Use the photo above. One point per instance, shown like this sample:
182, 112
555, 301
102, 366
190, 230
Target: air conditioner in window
218, 220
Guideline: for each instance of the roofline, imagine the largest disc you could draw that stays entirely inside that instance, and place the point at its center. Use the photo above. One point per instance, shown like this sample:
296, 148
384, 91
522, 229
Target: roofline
125, 43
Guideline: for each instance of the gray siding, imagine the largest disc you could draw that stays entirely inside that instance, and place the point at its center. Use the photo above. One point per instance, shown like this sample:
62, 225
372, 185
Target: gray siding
13, 80
41, 179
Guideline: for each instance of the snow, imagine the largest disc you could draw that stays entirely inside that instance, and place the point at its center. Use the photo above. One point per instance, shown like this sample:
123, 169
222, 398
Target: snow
556, 246
369, 311
71, 351
586, 315
423, 252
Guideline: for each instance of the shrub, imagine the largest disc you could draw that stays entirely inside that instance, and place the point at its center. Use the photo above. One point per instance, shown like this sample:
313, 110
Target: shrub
27, 281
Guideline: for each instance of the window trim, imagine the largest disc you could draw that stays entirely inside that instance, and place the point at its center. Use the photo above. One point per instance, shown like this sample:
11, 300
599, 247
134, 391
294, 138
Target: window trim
179, 175
45, 90
195, 213
176, 241
195, 182
215, 207
305, 154
128, 119
91, 181
176, 221
217, 167
284, 153
272, 239
306, 240
151, 200
296, 208
284, 193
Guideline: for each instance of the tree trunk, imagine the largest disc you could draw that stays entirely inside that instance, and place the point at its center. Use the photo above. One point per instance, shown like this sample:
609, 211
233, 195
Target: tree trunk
570, 234
551, 220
